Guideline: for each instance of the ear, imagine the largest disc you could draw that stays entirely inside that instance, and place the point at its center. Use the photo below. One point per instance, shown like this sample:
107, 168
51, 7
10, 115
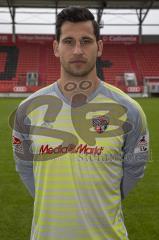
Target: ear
55, 48
100, 48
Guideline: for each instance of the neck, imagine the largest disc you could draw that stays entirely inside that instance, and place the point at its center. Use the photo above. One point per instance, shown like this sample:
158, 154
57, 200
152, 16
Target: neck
78, 87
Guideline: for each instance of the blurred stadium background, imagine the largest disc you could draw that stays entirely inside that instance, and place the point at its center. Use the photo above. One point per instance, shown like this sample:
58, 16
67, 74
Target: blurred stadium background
130, 61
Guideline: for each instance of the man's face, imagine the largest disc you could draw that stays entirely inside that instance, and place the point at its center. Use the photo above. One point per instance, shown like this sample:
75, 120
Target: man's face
78, 48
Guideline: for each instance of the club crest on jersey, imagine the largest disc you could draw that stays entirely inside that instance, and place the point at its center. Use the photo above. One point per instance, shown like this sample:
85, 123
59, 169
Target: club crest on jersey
100, 123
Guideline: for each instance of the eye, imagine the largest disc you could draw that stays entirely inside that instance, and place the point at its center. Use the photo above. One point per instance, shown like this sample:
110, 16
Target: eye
68, 41
86, 41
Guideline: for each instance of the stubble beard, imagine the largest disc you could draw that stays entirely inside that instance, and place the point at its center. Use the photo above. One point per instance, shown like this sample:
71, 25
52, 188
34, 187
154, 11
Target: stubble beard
76, 73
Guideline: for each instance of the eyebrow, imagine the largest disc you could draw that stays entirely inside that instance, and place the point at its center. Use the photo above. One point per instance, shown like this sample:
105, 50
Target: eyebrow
67, 38
84, 37
87, 37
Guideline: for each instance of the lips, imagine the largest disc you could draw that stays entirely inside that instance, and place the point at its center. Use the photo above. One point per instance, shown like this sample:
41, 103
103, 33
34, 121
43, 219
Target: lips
77, 61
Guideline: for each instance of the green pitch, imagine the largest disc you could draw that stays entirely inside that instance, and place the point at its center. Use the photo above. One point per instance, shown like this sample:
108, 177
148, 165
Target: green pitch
141, 208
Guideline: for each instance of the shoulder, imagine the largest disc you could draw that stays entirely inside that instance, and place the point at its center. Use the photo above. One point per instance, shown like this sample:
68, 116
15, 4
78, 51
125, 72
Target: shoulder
133, 108
48, 90
121, 97
38, 99
45, 91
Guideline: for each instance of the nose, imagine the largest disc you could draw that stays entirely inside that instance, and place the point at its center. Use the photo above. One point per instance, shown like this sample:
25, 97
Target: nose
78, 49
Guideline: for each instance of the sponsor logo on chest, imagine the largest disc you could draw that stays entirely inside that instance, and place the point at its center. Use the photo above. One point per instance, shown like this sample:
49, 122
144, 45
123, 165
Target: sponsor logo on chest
82, 148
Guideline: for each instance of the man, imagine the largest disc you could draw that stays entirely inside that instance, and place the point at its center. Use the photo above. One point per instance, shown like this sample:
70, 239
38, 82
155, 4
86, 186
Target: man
80, 144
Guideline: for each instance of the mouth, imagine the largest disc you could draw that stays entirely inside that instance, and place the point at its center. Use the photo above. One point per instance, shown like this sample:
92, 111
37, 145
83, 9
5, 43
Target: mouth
78, 61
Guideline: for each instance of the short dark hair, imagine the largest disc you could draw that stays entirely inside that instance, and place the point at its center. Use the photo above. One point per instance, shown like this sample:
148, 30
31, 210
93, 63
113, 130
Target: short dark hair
75, 14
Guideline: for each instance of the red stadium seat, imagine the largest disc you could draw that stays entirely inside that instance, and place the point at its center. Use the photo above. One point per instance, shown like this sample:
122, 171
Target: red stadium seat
141, 59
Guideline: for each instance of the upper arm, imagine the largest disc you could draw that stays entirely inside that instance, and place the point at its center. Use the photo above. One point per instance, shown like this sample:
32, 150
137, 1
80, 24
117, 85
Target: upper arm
136, 152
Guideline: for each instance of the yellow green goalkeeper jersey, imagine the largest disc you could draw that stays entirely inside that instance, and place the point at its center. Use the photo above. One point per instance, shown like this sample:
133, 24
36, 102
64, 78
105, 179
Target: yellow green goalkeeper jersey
79, 161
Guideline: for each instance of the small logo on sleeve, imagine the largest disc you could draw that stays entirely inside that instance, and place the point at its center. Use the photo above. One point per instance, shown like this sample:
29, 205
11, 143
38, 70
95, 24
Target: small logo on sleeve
142, 145
16, 141
17, 144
